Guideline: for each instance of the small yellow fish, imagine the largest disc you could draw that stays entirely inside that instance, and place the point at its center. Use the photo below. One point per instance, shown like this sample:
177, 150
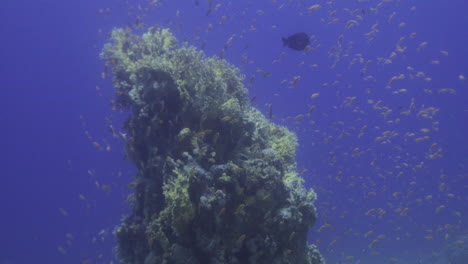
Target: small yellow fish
291, 236
240, 208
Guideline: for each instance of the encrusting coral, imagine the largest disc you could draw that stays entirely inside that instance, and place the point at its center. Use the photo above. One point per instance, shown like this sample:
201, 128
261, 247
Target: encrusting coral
216, 181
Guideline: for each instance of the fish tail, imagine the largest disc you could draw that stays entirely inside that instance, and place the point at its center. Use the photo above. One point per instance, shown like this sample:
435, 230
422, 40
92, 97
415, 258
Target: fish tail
285, 42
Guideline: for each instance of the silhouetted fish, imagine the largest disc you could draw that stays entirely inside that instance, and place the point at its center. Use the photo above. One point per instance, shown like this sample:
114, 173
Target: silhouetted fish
297, 41
270, 111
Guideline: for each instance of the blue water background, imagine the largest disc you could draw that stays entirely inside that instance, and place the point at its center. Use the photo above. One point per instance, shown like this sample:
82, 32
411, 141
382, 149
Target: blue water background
61, 196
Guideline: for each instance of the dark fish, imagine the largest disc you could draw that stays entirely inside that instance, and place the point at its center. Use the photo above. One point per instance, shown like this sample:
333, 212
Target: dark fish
270, 111
210, 3
298, 41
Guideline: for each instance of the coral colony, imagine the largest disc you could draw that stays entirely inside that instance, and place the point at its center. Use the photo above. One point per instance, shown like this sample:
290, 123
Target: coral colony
217, 181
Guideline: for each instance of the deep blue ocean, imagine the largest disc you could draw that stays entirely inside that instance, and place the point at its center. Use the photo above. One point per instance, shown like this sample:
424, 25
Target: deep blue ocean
379, 102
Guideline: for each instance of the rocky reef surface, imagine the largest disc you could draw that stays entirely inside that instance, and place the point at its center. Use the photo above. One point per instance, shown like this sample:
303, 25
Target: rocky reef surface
217, 182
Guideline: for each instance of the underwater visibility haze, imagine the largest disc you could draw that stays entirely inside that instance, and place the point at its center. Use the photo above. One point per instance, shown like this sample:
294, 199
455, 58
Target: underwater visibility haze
216, 131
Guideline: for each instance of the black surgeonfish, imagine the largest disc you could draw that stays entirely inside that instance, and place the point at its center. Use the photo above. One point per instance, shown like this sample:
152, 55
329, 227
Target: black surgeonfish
298, 41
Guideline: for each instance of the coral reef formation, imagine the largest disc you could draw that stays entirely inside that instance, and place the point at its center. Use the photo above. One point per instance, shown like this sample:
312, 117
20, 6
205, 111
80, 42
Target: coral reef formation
216, 180
457, 252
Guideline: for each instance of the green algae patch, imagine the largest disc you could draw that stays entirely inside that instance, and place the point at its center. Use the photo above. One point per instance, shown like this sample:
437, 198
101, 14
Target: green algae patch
217, 181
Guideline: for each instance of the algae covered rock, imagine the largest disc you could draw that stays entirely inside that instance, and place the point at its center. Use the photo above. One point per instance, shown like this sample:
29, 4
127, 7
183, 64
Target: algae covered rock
216, 181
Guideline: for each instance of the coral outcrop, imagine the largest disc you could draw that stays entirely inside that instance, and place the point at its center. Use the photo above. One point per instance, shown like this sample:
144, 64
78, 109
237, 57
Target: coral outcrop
217, 181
